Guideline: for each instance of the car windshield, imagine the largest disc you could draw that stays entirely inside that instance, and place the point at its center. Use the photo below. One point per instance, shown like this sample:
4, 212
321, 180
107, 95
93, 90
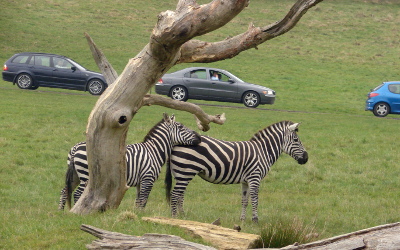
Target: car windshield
80, 67
237, 78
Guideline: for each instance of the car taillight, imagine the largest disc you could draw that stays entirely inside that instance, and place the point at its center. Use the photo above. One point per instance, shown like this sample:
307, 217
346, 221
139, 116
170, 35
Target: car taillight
372, 95
5, 67
160, 81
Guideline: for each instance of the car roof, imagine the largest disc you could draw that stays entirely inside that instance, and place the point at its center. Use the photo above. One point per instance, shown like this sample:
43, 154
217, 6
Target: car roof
38, 53
194, 68
392, 82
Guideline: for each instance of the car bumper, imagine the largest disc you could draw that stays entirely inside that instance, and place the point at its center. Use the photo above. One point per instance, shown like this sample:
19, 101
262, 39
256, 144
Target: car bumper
162, 89
266, 99
369, 105
8, 76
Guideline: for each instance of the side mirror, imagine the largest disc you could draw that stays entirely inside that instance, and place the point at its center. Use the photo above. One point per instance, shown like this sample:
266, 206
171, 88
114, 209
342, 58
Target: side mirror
231, 81
73, 68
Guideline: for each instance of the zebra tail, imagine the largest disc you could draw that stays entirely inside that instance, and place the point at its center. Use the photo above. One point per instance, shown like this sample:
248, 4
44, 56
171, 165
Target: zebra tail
69, 178
168, 182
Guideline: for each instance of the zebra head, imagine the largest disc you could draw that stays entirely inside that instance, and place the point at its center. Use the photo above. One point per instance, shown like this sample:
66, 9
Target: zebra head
293, 146
180, 134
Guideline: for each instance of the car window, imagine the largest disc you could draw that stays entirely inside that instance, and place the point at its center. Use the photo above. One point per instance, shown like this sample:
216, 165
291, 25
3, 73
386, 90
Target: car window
201, 74
221, 76
61, 63
378, 87
20, 59
41, 61
394, 88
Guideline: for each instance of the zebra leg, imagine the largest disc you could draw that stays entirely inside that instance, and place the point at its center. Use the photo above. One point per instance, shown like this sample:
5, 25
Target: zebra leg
145, 188
177, 202
254, 187
177, 196
245, 200
71, 182
180, 204
79, 190
137, 195
63, 198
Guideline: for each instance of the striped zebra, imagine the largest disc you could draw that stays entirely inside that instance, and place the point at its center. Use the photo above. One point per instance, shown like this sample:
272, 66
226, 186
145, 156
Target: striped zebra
226, 162
144, 160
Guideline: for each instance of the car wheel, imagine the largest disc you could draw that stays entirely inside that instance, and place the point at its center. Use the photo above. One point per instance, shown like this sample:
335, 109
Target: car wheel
179, 93
24, 81
96, 87
251, 99
381, 109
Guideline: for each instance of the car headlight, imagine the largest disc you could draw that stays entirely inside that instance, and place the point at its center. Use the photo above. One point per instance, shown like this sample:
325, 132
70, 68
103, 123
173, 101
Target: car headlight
268, 92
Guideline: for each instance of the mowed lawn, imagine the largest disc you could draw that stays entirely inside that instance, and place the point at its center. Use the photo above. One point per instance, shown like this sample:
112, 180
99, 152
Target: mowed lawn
321, 71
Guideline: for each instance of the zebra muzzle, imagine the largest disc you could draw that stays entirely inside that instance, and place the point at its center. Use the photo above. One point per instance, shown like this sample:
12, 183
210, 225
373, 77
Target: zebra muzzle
304, 159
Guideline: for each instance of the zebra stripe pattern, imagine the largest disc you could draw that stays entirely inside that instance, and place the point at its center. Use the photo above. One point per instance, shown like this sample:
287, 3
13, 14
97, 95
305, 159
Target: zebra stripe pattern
226, 162
144, 160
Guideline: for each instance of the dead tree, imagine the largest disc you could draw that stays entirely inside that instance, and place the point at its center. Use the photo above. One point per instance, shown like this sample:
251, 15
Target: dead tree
171, 42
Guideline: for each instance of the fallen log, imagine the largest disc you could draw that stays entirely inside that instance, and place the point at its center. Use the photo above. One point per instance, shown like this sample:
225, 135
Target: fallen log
375, 238
220, 237
381, 237
113, 240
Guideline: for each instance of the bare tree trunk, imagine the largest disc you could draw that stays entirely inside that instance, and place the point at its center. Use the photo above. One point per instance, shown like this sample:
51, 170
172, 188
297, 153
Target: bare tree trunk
106, 132
110, 118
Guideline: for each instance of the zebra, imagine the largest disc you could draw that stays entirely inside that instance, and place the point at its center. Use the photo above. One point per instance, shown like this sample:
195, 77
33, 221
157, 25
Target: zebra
227, 162
144, 160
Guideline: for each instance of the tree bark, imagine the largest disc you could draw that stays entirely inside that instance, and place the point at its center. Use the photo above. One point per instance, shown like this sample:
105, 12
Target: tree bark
110, 118
219, 237
113, 240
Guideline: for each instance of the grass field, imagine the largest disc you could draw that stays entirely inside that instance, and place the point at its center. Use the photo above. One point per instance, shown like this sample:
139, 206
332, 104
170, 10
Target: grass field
321, 71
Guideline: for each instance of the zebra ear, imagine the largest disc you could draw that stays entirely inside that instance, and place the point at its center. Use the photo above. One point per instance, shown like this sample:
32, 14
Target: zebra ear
172, 118
294, 127
166, 117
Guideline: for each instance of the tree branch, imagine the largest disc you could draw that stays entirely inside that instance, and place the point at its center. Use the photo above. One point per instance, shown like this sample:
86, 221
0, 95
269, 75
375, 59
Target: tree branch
205, 52
106, 68
203, 119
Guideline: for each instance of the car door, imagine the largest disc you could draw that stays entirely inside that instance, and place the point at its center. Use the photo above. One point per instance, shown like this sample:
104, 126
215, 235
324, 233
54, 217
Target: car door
222, 87
39, 66
66, 75
197, 83
394, 97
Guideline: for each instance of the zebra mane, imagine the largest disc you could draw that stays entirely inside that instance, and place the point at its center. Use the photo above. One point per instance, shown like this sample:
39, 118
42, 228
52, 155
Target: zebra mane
279, 125
152, 130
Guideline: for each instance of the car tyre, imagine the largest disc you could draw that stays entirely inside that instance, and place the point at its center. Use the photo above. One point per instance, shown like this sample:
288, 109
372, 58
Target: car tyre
24, 81
381, 109
96, 87
251, 99
179, 93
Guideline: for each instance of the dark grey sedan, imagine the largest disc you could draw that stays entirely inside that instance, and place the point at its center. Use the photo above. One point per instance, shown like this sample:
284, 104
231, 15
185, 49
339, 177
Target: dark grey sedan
31, 70
213, 84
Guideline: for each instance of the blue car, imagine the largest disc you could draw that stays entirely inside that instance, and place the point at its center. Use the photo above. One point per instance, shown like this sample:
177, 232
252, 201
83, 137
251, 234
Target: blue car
384, 99
33, 70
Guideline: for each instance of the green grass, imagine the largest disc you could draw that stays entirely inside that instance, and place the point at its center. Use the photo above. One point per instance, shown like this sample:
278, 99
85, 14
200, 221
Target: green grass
283, 233
322, 69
